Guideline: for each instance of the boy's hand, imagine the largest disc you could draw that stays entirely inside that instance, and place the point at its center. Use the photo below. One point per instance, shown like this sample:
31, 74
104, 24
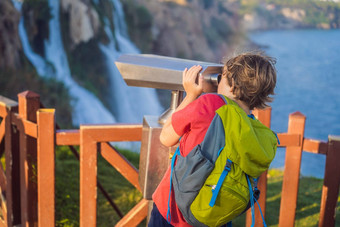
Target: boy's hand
189, 81
168, 136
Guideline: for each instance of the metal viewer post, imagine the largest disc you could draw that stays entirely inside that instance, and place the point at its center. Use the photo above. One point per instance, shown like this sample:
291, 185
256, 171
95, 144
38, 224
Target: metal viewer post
176, 98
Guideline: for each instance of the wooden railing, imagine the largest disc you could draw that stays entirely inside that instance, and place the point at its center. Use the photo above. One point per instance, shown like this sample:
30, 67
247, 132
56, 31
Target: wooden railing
295, 143
29, 135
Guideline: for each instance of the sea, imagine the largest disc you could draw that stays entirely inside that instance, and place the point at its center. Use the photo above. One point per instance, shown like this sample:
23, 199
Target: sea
308, 81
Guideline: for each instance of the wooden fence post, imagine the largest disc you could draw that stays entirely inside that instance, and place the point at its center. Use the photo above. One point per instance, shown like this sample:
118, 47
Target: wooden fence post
29, 103
88, 179
12, 166
330, 189
265, 117
290, 184
46, 167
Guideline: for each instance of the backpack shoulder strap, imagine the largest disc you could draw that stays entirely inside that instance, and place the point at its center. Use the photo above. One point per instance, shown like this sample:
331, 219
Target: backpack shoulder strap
252, 200
168, 214
224, 98
216, 190
228, 100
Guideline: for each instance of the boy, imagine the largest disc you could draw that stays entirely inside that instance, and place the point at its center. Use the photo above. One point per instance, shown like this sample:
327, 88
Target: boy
247, 79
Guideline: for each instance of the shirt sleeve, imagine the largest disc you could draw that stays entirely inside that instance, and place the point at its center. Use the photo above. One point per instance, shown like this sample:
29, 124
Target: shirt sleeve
183, 120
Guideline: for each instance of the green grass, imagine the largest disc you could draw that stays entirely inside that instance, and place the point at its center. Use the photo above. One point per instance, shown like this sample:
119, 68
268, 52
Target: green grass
126, 196
308, 204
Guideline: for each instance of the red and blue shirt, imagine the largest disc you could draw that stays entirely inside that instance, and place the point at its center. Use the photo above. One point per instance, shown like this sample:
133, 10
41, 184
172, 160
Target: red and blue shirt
191, 123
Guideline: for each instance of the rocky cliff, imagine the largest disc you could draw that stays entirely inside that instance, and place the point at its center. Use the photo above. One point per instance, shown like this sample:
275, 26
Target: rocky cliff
196, 29
83, 20
10, 46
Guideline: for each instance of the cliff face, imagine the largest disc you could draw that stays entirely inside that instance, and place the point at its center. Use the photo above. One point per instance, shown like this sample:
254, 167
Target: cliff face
10, 46
196, 29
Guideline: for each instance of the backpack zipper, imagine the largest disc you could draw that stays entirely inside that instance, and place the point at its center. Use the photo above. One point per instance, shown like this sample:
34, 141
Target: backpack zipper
212, 186
237, 194
226, 188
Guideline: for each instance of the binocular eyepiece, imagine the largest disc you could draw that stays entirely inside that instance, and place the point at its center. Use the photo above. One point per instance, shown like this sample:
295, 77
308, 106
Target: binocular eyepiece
213, 78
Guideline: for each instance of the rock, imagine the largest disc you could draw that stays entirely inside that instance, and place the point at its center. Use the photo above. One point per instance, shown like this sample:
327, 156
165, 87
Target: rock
84, 20
273, 17
253, 22
10, 45
294, 14
324, 26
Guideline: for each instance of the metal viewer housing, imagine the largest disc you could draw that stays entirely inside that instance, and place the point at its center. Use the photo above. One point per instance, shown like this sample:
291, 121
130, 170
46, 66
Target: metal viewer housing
154, 71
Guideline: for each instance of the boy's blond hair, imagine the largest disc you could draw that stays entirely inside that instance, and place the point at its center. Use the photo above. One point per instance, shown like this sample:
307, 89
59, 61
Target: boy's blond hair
253, 76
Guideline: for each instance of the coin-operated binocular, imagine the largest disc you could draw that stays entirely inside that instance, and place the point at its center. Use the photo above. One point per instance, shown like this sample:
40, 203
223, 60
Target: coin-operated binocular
143, 70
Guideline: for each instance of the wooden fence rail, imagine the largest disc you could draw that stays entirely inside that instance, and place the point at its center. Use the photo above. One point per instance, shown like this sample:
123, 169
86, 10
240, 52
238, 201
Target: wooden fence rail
29, 136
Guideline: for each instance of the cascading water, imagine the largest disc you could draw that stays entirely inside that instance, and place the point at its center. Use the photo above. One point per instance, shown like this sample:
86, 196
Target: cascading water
129, 103
86, 107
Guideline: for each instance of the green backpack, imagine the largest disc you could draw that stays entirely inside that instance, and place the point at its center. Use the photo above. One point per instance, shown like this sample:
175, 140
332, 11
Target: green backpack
216, 181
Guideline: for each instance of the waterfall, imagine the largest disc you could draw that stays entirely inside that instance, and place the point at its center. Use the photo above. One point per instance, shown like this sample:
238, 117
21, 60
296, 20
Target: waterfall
86, 107
129, 104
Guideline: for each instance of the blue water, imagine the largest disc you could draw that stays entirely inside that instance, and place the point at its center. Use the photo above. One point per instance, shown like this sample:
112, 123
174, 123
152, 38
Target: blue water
308, 66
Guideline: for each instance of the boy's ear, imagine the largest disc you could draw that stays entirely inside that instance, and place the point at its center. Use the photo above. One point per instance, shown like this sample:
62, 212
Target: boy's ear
232, 85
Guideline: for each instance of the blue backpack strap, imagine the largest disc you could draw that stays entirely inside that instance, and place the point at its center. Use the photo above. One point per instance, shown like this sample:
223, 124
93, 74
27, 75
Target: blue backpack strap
255, 180
251, 116
216, 190
252, 199
168, 213
278, 141
263, 221
224, 99
251, 202
219, 152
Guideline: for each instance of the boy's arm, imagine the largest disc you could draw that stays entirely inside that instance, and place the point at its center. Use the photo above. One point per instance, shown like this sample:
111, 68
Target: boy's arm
168, 136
